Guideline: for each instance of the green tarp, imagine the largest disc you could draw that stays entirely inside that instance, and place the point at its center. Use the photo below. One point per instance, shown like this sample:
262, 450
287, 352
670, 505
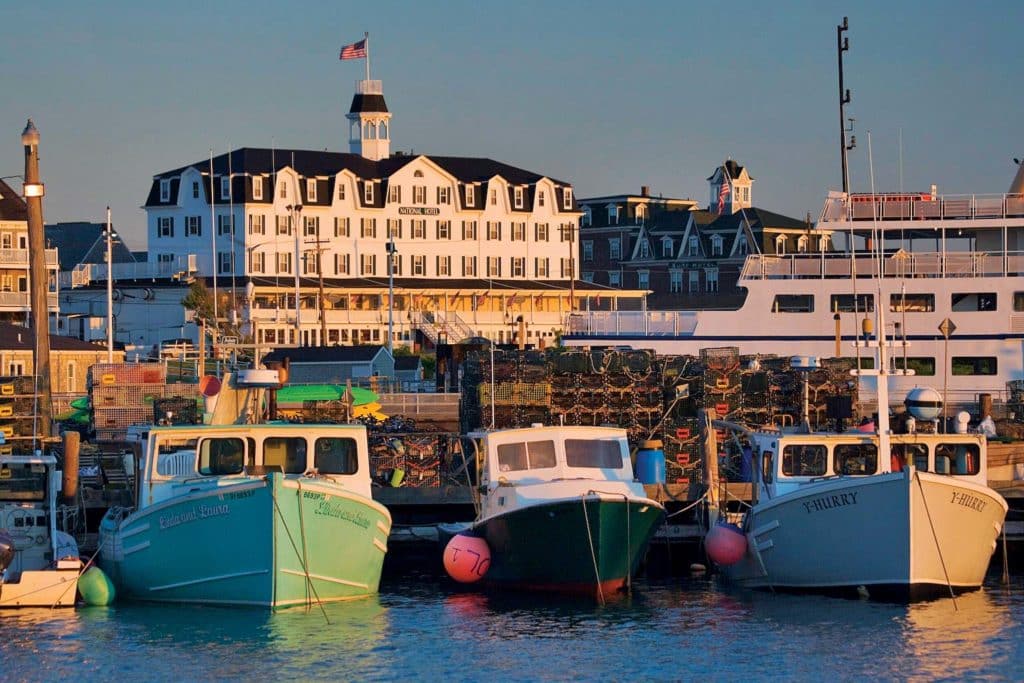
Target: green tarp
324, 392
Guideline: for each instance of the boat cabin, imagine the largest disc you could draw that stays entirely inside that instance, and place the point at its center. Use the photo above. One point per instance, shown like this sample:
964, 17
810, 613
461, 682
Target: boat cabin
788, 461
28, 494
190, 456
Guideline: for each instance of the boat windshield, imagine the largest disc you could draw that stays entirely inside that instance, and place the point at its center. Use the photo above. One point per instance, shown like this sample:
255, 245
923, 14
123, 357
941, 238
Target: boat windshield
602, 453
528, 455
336, 455
22, 481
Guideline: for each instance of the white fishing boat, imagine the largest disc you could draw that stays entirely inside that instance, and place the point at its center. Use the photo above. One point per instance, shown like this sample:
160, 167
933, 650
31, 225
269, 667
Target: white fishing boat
903, 516
39, 565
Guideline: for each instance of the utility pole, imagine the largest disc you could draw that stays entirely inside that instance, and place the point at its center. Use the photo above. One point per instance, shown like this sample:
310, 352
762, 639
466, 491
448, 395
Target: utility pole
40, 276
110, 292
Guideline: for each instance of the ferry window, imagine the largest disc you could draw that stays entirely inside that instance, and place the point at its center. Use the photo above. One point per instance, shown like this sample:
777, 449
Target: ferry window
957, 458
805, 460
973, 365
603, 453
856, 458
973, 301
793, 303
221, 456
287, 452
921, 365
912, 303
335, 456
866, 362
22, 481
1018, 302
845, 303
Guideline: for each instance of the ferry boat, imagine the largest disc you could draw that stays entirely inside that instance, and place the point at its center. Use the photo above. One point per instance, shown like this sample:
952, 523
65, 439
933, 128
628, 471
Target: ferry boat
39, 565
271, 515
951, 268
560, 510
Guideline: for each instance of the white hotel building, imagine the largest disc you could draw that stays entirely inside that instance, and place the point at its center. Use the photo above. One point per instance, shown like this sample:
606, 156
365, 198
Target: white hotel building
476, 244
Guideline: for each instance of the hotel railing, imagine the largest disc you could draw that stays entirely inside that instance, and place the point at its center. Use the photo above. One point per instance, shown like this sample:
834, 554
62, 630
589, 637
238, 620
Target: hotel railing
86, 273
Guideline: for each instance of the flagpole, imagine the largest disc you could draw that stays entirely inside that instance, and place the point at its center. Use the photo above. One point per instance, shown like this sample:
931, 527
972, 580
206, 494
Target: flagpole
366, 37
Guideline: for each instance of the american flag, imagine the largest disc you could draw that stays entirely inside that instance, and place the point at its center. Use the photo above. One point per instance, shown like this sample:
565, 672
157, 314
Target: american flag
354, 51
722, 192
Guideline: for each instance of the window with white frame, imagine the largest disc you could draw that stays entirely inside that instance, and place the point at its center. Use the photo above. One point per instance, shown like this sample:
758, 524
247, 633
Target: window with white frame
519, 232
517, 197
394, 194
419, 194
311, 226
165, 258
225, 187
394, 228
419, 265
469, 230
643, 279
540, 198
615, 248
823, 242
444, 195
395, 259
567, 268
801, 244
309, 263
165, 190
666, 247
716, 245
419, 229
342, 264
71, 377
542, 267
368, 227
444, 230
641, 212
645, 249
469, 266
225, 262
494, 197
224, 225
16, 368
567, 199
588, 250
470, 195
675, 281
493, 266
195, 190
341, 188
741, 248
494, 230
165, 226
444, 266
587, 276
368, 192
711, 279
258, 262
257, 188
780, 244
284, 225
342, 227
310, 189
694, 284
692, 246
284, 263
588, 216
613, 215
614, 278
518, 266
541, 230
566, 229
282, 189
368, 264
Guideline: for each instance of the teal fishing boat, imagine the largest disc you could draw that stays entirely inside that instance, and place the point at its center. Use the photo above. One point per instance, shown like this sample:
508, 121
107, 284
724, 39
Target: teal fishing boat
269, 515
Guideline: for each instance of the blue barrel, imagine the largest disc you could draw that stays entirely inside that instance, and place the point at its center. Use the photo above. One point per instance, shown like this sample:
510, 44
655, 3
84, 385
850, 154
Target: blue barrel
650, 463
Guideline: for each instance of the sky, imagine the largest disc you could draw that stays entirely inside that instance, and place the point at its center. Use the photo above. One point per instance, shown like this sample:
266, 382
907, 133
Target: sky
607, 95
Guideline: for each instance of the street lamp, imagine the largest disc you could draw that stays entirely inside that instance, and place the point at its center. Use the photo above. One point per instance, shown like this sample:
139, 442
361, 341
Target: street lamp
391, 294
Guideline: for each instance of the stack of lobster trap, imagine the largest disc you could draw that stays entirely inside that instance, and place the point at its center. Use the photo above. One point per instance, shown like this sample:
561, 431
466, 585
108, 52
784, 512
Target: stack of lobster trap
17, 408
124, 394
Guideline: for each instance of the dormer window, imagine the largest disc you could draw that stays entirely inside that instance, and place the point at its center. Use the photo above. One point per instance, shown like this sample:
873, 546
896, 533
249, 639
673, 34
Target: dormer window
716, 245
613, 215
368, 193
587, 216
470, 196
801, 244
225, 187
283, 191
780, 244
311, 189
692, 246
645, 249
666, 247
641, 212
741, 248
341, 189
165, 190
257, 188
517, 195
540, 198
195, 190
567, 199
494, 197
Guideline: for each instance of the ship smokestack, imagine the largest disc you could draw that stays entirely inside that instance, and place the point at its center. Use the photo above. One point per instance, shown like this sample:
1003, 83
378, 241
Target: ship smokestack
1017, 186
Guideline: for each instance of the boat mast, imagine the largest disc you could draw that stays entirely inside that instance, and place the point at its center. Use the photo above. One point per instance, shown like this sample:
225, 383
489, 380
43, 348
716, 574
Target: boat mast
843, 45
882, 379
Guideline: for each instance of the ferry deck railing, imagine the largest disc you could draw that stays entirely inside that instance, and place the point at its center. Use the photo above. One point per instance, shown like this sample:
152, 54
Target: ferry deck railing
840, 208
895, 264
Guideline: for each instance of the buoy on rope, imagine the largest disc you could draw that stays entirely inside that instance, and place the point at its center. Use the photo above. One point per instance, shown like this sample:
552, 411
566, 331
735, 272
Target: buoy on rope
467, 558
726, 544
96, 588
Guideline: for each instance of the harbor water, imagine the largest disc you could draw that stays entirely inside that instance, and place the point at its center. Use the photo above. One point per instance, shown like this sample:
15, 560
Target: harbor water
424, 628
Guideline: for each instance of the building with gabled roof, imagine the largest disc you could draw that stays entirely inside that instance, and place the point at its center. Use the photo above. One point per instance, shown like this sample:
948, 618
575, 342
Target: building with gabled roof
15, 302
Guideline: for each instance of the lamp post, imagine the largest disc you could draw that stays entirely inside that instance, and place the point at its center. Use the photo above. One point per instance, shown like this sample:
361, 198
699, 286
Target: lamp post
40, 277
295, 213
391, 295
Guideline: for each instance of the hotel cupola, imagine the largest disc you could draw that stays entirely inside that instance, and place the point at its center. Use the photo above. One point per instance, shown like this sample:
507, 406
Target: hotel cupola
369, 122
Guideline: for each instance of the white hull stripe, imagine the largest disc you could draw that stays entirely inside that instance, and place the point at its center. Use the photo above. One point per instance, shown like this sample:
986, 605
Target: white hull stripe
320, 577
380, 546
208, 579
135, 548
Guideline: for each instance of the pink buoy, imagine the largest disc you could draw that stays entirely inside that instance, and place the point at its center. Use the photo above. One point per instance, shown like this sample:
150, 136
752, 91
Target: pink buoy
726, 544
467, 558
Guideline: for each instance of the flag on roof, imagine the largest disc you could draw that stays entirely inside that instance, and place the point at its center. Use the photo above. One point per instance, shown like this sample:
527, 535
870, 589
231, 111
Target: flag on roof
354, 50
723, 191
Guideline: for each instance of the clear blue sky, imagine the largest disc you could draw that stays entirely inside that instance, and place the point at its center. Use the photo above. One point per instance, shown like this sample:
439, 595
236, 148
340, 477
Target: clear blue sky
607, 95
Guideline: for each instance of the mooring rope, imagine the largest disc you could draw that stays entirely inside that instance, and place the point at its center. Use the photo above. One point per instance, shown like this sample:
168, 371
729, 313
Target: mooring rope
593, 555
935, 537
291, 540
302, 535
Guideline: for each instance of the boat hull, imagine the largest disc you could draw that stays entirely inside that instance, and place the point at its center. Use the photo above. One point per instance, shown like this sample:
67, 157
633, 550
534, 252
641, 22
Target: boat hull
588, 545
41, 588
267, 541
906, 535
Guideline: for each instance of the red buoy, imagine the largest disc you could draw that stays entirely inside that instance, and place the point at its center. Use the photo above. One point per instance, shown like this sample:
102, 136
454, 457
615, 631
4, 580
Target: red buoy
726, 544
467, 558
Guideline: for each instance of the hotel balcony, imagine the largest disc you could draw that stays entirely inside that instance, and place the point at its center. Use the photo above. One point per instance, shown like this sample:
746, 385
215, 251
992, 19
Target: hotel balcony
85, 274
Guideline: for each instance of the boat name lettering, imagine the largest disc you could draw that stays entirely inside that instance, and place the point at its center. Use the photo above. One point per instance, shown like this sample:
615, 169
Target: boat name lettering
828, 502
329, 508
968, 501
196, 513
239, 494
